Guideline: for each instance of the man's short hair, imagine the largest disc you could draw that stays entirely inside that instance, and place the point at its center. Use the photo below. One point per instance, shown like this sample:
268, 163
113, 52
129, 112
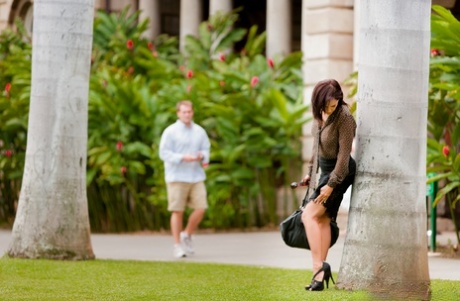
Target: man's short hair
184, 103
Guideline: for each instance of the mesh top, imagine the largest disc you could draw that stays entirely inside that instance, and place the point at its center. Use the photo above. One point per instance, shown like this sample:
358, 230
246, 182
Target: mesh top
336, 139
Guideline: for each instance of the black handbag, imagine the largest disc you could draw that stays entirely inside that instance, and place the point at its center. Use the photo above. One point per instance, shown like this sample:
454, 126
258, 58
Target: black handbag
293, 231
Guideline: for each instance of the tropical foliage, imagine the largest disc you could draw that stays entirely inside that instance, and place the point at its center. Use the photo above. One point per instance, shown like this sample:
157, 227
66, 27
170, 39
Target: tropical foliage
444, 108
15, 75
250, 105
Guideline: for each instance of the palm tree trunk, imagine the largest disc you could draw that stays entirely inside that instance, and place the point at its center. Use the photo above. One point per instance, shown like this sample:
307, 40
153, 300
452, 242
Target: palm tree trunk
52, 217
386, 245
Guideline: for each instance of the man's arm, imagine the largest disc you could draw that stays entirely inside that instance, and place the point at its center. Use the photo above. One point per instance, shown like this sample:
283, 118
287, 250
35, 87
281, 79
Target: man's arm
205, 148
167, 153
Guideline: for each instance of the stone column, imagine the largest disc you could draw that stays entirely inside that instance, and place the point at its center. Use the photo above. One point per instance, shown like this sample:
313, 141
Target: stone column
150, 9
278, 27
132, 6
190, 19
5, 9
446, 3
356, 12
327, 46
224, 6
117, 6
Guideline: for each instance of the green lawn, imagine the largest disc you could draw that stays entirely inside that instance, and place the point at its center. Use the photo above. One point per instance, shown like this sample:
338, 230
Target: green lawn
137, 280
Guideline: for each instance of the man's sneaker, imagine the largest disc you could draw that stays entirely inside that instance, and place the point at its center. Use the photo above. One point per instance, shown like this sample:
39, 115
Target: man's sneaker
186, 241
179, 251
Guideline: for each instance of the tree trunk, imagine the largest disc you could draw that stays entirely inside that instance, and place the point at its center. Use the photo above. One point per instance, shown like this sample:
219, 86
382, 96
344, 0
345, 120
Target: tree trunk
386, 245
52, 218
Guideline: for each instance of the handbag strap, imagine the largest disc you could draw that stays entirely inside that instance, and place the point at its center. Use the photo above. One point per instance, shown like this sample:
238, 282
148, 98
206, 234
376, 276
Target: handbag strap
315, 166
320, 130
313, 170
305, 199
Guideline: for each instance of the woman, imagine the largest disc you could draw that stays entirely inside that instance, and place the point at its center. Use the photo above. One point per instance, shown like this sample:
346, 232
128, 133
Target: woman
333, 129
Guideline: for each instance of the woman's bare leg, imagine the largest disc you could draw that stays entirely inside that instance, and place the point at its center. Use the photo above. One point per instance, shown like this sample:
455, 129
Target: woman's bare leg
325, 229
317, 226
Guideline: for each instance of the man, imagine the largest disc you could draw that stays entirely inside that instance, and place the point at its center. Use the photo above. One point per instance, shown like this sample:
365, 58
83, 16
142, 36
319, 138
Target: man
184, 149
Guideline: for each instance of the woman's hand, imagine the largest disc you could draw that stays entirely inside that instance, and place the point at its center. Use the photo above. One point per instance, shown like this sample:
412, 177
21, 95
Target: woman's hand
326, 191
305, 181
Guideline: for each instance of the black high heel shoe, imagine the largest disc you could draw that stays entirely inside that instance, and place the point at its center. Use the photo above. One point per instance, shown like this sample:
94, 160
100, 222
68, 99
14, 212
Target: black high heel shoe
316, 285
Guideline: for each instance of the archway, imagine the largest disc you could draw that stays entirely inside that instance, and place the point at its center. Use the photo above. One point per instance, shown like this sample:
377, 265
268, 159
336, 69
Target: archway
22, 10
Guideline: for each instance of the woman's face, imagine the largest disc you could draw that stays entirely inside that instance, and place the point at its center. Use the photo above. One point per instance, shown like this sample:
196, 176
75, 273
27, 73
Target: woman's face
331, 105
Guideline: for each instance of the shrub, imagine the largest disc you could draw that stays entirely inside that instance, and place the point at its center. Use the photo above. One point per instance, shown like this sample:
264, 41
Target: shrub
250, 105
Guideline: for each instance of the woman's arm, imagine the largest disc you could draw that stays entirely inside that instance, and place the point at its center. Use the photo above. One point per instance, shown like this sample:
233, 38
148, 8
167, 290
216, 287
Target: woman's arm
347, 129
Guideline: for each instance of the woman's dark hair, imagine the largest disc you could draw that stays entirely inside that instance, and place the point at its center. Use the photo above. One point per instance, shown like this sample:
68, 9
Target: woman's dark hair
324, 91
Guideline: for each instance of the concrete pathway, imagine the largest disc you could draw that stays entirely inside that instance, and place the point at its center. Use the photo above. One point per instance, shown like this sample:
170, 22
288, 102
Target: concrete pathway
256, 248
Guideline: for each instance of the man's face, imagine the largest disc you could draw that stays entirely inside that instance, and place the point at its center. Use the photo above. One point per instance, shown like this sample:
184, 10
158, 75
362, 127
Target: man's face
185, 114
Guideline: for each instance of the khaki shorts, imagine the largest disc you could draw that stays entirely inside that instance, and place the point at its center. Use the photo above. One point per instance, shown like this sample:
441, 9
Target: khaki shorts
181, 194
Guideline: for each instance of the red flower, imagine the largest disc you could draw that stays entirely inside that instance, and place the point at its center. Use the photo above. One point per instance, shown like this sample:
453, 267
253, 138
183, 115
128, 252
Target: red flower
130, 44
123, 170
270, 63
189, 74
222, 83
8, 87
155, 53
151, 46
435, 52
221, 57
8, 153
205, 165
254, 81
445, 151
131, 70
119, 146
